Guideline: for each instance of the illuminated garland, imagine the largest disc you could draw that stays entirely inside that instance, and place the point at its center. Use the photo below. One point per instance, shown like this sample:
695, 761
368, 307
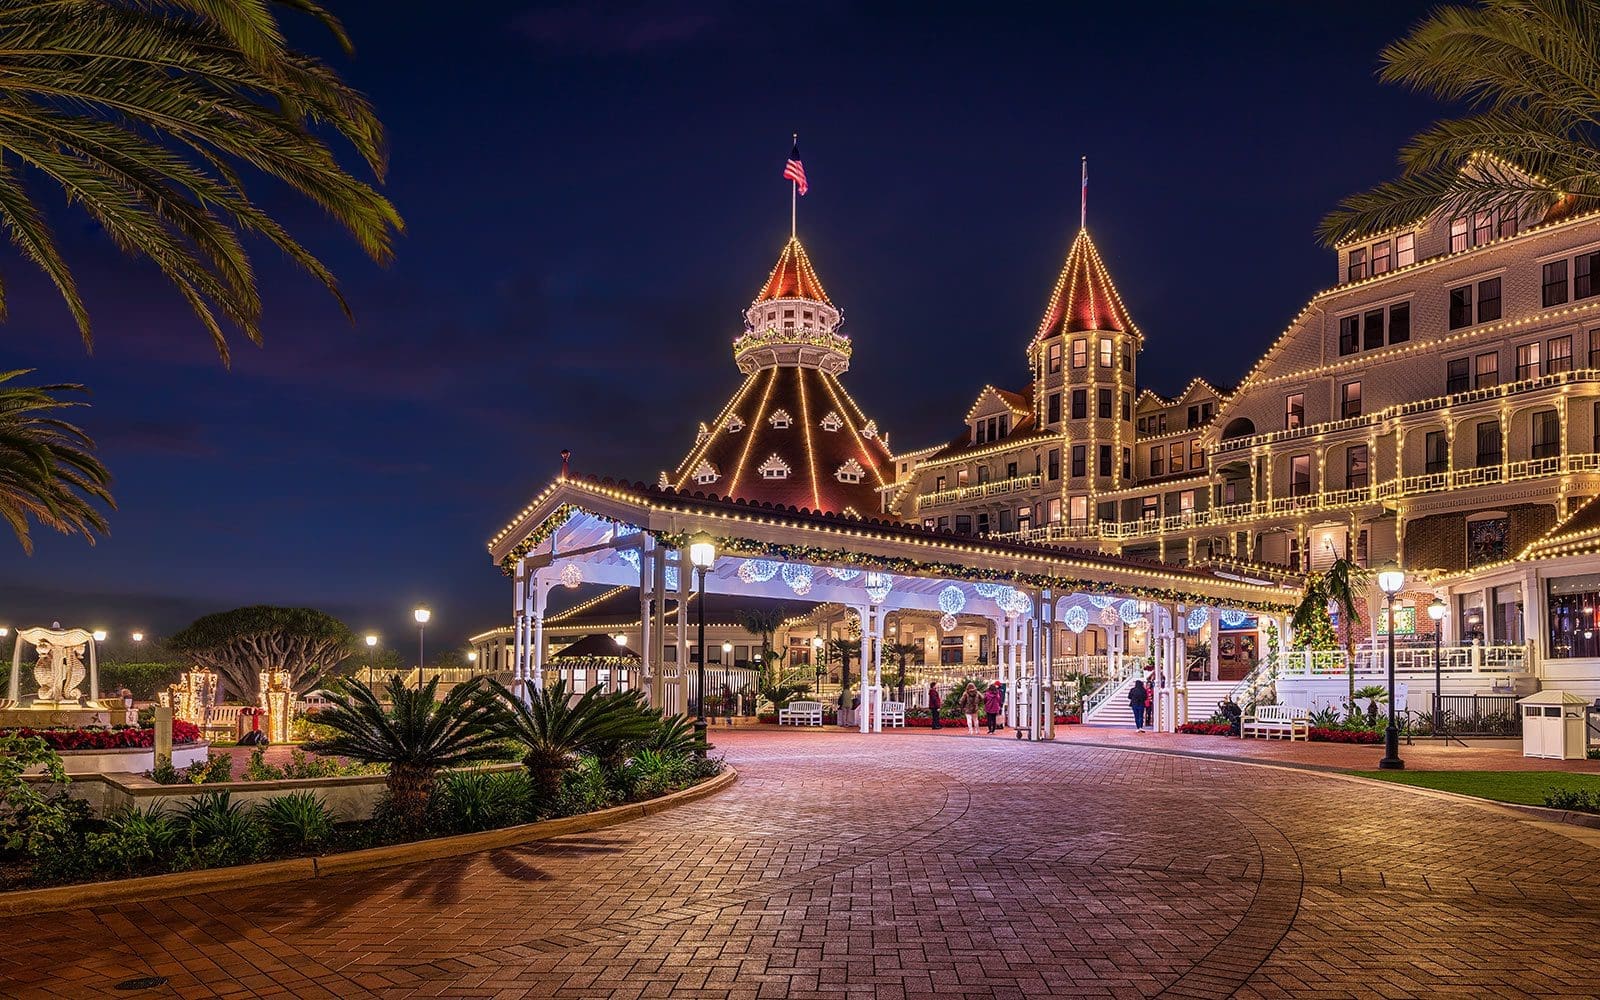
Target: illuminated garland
1075, 619
1197, 618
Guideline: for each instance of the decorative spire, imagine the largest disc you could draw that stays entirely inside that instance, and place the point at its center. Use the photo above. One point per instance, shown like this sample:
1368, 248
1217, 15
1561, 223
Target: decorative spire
1084, 298
793, 277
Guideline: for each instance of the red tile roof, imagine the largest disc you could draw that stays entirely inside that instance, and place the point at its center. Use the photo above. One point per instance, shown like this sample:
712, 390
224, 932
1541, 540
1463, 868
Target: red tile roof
793, 277
1084, 298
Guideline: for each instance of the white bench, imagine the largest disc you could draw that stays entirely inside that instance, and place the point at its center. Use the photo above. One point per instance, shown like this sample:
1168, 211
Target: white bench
1276, 722
801, 713
894, 714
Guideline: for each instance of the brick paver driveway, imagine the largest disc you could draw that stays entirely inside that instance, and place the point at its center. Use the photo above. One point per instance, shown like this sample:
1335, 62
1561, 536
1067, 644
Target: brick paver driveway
911, 865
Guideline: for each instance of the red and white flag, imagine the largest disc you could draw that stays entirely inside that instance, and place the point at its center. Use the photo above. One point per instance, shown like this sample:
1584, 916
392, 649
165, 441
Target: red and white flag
794, 170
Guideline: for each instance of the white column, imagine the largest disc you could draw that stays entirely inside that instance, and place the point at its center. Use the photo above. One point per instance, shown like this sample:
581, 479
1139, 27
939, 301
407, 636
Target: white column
865, 616
877, 670
540, 592
658, 631
1047, 677
1215, 619
685, 668
647, 653
519, 626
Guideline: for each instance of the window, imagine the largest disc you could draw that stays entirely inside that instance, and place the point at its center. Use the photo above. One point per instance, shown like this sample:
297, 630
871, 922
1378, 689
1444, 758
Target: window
1108, 357
944, 524
983, 473
1175, 457
1488, 300
983, 523
938, 484
1294, 411
961, 477
1080, 404
1350, 400
774, 468
1380, 258
1078, 511
780, 419
1358, 266
1488, 443
1458, 235
963, 524
1486, 371
1157, 461
1595, 423
1372, 330
1436, 452
1355, 467
1197, 454
1555, 283
1080, 458
1127, 463
1055, 357
1458, 375
1528, 361
1080, 353
1349, 335
1149, 507
1005, 423
1161, 423
1399, 322
1052, 511
1405, 250
1102, 465
1546, 434
1127, 356
1205, 413
705, 473
1186, 502
1011, 470
1055, 463
1127, 406
1508, 225
1300, 476
977, 432
1103, 398
1584, 271
1194, 416
1594, 348
1559, 357
1460, 307
851, 472
1024, 517
1053, 408
1571, 605
1482, 228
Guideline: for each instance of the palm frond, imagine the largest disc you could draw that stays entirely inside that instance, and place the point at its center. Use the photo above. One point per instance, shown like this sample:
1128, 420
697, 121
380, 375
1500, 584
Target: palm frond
48, 473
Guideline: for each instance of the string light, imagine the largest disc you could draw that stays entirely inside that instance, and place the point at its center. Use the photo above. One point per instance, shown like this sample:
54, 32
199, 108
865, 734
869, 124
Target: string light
571, 575
1076, 619
951, 600
947, 622
757, 570
1233, 618
1197, 619
1128, 611
798, 577
878, 585
843, 573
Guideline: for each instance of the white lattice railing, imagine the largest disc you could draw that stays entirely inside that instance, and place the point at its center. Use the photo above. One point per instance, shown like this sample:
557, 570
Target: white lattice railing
992, 488
1408, 660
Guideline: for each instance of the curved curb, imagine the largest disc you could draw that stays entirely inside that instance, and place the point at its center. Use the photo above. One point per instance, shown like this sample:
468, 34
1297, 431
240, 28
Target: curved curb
89, 894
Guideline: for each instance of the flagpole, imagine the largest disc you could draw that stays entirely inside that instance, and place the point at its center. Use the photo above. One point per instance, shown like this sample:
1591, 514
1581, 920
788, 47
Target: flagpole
794, 199
1083, 200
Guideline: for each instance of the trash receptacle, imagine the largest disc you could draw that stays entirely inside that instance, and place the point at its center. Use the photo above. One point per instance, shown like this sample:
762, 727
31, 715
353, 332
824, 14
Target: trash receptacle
1553, 725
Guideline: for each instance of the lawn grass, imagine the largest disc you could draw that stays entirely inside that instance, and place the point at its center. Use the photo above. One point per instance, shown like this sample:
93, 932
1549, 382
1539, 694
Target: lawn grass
1526, 787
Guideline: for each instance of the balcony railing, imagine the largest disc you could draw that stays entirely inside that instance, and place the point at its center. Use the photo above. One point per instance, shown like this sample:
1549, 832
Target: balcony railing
1230, 514
994, 487
1409, 661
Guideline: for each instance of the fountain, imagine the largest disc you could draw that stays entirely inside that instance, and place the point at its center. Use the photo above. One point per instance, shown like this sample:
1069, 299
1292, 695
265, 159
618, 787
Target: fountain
59, 671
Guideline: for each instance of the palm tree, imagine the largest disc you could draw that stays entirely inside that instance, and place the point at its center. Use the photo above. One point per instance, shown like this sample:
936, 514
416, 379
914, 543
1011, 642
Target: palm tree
553, 729
1337, 587
901, 653
46, 471
1375, 695
151, 113
417, 736
1530, 72
842, 650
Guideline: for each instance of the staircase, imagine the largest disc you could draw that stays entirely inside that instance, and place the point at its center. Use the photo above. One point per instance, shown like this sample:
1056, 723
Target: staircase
1203, 698
1108, 705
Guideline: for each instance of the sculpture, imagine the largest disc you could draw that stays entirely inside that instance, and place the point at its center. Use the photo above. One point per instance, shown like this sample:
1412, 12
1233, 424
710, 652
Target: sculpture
59, 668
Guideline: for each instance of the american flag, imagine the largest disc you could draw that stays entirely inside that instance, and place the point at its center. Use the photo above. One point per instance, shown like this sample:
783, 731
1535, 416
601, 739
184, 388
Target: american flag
794, 170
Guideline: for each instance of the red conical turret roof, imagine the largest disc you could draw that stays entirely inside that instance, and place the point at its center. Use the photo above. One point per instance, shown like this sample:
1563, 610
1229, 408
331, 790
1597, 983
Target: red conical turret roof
1084, 298
793, 277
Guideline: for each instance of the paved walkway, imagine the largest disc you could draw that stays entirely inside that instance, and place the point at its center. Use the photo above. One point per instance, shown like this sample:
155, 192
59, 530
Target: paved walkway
905, 866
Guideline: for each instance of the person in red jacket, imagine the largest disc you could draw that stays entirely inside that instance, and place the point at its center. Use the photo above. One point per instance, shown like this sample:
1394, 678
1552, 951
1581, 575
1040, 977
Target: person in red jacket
934, 702
993, 701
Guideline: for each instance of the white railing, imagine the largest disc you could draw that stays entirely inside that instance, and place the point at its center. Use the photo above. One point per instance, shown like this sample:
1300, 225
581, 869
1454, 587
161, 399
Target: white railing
992, 488
1408, 660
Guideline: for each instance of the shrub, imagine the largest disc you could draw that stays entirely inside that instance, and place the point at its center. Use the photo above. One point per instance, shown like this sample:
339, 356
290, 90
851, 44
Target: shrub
584, 789
305, 730
469, 801
142, 679
220, 831
134, 840
295, 823
654, 773
1206, 728
1573, 799
216, 769
303, 765
38, 819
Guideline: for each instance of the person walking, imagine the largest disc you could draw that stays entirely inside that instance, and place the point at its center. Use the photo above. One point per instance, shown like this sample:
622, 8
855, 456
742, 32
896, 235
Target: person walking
1138, 700
934, 702
728, 704
970, 700
1150, 704
993, 701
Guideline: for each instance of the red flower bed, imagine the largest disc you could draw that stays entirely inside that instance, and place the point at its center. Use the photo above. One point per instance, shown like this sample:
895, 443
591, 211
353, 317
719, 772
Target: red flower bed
118, 738
1346, 736
1206, 728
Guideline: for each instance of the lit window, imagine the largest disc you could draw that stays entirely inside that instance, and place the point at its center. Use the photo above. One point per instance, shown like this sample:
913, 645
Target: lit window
1108, 358
705, 473
1300, 476
774, 468
1458, 234
1486, 371
1054, 355
1358, 265
1555, 283
1350, 400
1380, 258
1559, 357
780, 419
1405, 250
1294, 411
1078, 511
1528, 361
1080, 353
1482, 228
1175, 456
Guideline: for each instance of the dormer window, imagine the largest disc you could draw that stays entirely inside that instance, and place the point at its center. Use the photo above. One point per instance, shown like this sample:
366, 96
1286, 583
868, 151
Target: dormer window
701, 435
850, 472
870, 431
734, 424
662, 482
831, 422
705, 473
774, 468
780, 419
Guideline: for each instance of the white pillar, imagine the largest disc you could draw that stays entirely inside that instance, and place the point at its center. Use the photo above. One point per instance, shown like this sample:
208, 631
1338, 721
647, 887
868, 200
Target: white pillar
519, 627
685, 668
647, 654
658, 631
864, 615
540, 592
1047, 675
1215, 619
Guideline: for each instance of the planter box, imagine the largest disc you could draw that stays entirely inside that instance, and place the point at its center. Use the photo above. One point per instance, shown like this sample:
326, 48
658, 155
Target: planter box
126, 760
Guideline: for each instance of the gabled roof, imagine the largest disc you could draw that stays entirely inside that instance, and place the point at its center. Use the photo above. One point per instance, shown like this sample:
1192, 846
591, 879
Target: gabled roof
1084, 298
1577, 535
793, 277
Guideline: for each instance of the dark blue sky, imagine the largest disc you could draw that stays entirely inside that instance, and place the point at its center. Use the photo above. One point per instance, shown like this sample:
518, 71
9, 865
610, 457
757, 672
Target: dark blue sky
592, 199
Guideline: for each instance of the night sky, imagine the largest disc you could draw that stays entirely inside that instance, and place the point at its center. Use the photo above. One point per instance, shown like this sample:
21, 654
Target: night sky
592, 200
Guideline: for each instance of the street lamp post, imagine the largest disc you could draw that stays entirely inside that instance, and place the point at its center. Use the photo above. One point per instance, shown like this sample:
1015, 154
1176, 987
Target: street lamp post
1390, 580
703, 554
1436, 612
421, 615
472, 662
371, 641
611, 675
